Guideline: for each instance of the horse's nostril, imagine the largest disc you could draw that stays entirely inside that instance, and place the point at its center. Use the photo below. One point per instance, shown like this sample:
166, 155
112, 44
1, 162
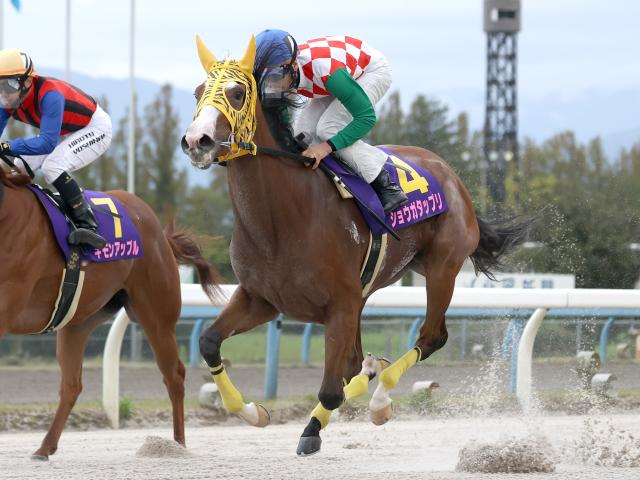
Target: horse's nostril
184, 144
206, 141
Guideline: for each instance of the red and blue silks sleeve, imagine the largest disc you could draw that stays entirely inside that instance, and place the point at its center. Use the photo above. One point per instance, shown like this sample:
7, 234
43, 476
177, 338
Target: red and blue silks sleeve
52, 110
4, 117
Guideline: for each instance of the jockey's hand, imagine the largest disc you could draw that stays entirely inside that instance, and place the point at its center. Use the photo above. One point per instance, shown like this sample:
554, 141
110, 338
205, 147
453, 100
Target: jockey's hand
317, 152
5, 149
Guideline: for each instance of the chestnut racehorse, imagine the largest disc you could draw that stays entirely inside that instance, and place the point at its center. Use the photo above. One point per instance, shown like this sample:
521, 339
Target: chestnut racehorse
147, 287
298, 248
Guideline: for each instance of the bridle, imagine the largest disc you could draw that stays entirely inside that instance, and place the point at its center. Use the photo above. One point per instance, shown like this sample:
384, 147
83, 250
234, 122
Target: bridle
243, 121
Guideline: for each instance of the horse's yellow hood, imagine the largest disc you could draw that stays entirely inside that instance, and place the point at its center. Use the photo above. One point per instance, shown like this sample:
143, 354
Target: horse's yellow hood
208, 59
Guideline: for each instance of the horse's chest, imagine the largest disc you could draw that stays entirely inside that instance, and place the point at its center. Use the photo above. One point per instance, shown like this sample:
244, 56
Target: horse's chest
286, 276
274, 265
292, 287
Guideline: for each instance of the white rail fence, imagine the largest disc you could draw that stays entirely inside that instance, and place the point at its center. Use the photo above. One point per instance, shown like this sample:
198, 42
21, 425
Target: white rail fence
407, 297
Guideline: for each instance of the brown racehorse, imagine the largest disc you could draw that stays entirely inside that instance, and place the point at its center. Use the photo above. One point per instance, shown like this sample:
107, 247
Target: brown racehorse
297, 248
148, 287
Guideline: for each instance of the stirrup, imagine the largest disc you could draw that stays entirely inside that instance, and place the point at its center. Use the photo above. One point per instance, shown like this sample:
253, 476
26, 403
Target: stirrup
86, 236
390, 204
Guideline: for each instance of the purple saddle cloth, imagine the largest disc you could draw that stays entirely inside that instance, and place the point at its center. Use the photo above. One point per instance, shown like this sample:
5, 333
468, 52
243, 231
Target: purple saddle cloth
426, 197
123, 239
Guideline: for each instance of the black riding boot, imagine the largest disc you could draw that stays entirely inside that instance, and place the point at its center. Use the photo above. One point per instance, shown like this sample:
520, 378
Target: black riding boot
81, 214
390, 194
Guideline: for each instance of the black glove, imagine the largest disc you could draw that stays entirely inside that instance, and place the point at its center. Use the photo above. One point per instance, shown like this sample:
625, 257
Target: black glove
5, 149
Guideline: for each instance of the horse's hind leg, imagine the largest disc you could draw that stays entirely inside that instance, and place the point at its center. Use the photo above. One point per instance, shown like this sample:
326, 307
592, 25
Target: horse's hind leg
70, 345
158, 315
440, 273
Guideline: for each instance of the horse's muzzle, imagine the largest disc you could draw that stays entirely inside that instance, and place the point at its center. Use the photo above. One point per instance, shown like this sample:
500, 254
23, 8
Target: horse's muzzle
201, 156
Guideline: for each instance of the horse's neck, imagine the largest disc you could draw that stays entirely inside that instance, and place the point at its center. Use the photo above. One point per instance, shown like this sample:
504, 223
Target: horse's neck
17, 209
265, 191
23, 232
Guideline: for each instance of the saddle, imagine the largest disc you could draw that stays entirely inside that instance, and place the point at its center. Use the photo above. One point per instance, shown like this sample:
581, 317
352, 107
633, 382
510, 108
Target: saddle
114, 225
426, 197
123, 242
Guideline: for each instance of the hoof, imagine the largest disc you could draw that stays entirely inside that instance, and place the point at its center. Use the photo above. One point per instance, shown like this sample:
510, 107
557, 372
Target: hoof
384, 362
373, 366
308, 446
39, 458
382, 416
264, 418
255, 415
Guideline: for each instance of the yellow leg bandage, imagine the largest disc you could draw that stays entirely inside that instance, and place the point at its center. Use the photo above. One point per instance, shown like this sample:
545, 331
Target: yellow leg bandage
356, 387
391, 375
231, 397
322, 414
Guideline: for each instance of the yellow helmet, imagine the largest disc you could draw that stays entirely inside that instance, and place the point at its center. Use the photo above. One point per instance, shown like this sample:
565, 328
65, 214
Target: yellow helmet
15, 68
14, 63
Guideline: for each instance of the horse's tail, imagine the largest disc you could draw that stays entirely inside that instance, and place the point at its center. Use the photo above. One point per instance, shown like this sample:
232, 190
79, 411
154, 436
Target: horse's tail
187, 252
498, 238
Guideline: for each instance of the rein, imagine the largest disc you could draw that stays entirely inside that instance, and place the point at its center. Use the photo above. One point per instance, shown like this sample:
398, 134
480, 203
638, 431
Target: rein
327, 171
10, 162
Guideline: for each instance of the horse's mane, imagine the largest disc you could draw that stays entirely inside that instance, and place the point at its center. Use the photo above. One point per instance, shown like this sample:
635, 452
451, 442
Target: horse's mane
14, 178
277, 118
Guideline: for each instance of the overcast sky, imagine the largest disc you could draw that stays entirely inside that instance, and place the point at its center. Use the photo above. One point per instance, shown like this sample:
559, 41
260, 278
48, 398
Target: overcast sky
567, 48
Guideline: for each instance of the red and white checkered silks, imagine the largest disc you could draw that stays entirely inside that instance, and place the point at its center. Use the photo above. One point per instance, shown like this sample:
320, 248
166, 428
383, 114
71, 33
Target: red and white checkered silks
320, 57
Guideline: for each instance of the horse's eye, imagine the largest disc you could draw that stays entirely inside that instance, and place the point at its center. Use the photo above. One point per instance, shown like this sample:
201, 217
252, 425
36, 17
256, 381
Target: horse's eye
238, 95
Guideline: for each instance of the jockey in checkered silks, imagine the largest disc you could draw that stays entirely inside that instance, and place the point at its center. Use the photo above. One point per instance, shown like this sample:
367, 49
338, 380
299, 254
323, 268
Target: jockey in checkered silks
73, 132
342, 79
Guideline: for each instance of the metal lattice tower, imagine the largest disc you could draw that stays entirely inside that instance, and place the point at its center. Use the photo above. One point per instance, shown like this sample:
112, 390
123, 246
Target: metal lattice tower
502, 23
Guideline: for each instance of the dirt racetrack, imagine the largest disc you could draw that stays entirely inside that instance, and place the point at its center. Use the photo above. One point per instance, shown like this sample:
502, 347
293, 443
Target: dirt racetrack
408, 447
418, 448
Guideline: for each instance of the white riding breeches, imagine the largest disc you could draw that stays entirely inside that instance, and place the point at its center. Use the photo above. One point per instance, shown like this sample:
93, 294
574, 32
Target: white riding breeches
324, 117
75, 150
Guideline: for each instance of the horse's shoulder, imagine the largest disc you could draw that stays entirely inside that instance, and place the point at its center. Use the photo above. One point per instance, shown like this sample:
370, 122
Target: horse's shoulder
13, 178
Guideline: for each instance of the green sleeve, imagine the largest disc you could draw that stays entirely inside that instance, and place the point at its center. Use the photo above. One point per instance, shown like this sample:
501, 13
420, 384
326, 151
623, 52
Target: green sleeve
342, 86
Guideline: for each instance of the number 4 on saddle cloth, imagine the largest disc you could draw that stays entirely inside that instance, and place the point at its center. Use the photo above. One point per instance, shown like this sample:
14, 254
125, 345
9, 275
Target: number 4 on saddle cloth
426, 200
426, 197
115, 226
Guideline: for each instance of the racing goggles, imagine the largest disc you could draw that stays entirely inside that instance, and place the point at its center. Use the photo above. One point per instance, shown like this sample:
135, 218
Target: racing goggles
10, 85
276, 82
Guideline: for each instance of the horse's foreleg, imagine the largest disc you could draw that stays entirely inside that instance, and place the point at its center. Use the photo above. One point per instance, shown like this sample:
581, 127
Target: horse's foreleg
360, 366
70, 345
243, 313
339, 339
357, 386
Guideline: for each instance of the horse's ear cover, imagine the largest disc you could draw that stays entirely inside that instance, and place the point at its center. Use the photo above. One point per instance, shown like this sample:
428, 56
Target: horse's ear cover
207, 58
249, 57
